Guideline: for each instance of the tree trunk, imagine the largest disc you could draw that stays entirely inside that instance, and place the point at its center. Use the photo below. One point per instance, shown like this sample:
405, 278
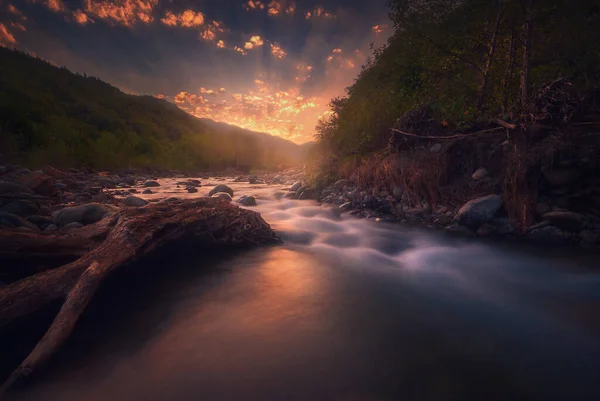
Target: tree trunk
509, 72
490, 58
528, 4
111, 243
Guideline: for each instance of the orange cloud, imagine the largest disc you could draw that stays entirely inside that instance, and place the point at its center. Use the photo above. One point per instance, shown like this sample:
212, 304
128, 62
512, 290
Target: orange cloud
124, 12
290, 9
187, 19
277, 51
55, 5
253, 5
221, 44
274, 8
263, 108
14, 10
336, 51
6, 38
81, 18
303, 72
318, 12
18, 26
240, 50
379, 28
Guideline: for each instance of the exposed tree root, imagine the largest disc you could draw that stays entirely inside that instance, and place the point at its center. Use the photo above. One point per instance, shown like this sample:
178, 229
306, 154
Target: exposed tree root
103, 248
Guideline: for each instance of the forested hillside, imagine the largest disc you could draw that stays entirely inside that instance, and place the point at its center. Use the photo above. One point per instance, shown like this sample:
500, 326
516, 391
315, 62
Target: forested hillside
49, 115
465, 60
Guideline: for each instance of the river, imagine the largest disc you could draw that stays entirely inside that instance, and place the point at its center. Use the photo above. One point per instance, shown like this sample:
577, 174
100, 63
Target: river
346, 309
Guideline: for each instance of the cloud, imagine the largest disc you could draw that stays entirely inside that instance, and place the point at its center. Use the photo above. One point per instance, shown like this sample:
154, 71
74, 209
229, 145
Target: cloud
14, 10
318, 12
210, 32
221, 44
291, 8
124, 12
187, 19
81, 18
19, 26
336, 50
240, 50
277, 51
55, 5
379, 28
265, 107
303, 71
6, 38
274, 8
253, 5
255, 41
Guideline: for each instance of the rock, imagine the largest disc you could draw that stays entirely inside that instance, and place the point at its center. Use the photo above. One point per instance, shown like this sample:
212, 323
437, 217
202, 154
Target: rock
10, 189
39, 183
21, 208
291, 195
561, 177
9, 220
308, 193
549, 234
191, 190
478, 211
340, 184
278, 179
486, 230
436, 148
426, 208
222, 195
134, 201
54, 172
566, 220
479, 174
106, 183
72, 225
41, 221
148, 184
221, 188
147, 191
589, 238
84, 214
254, 180
193, 183
457, 229
297, 185
398, 191
51, 227
247, 200
133, 190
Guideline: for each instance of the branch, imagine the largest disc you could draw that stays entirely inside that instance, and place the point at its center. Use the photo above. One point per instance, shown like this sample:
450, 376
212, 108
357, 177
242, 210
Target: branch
457, 136
458, 56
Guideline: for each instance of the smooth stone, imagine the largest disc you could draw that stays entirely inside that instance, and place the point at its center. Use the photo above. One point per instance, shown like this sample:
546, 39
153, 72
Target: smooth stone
221, 188
84, 214
549, 235
297, 185
478, 211
51, 227
247, 200
222, 195
73, 225
134, 201
21, 208
191, 190
151, 184
566, 220
479, 174
147, 191
10, 220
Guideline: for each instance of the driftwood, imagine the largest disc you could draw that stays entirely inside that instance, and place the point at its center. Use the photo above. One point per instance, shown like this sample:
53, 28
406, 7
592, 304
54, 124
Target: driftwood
102, 248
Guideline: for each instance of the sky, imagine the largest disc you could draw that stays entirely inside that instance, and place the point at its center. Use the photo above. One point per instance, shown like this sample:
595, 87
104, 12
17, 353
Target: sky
266, 65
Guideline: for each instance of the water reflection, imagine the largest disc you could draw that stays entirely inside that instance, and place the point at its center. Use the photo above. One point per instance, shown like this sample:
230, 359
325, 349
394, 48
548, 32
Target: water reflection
346, 310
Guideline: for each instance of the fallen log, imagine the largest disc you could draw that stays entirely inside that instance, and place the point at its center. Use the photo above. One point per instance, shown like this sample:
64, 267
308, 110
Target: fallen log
111, 243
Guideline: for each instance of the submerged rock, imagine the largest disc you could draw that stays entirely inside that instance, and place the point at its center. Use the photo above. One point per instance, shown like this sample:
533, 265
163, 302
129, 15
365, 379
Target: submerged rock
151, 184
548, 234
147, 191
297, 185
221, 188
222, 195
247, 200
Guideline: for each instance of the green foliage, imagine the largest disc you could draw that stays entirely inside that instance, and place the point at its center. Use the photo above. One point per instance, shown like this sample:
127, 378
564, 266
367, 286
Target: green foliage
49, 115
464, 59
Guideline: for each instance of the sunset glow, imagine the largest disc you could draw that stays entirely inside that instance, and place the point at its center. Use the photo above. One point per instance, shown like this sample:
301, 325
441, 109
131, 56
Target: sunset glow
277, 79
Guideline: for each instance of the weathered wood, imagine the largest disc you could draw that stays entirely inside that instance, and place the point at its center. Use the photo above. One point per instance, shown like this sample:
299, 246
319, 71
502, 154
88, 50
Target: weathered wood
130, 234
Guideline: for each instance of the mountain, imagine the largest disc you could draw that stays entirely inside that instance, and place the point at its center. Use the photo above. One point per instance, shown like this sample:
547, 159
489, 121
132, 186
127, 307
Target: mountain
50, 115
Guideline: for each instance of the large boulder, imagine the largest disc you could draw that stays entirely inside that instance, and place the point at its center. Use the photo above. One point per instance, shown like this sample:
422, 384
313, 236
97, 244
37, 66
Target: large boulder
566, 220
221, 188
479, 211
247, 200
84, 214
39, 183
9, 220
151, 184
134, 201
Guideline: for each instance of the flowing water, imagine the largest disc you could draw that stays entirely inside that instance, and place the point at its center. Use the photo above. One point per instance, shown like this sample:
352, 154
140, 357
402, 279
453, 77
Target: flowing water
346, 309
